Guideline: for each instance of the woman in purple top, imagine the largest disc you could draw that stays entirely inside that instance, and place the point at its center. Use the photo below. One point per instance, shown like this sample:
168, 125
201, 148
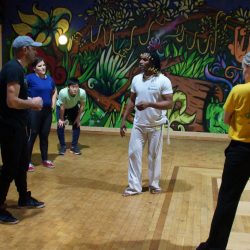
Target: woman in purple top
40, 84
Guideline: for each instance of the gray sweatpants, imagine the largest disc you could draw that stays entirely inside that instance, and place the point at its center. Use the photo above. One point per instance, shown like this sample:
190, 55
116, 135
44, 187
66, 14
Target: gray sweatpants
139, 137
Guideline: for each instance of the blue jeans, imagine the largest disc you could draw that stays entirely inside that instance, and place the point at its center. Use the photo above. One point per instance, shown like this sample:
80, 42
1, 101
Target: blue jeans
71, 115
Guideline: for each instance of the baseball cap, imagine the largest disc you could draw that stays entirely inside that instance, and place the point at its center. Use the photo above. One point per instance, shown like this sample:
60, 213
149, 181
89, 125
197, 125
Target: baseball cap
22, 41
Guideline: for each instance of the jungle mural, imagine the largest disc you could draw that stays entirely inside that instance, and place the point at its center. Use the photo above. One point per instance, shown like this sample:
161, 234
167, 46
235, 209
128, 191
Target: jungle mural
201, 44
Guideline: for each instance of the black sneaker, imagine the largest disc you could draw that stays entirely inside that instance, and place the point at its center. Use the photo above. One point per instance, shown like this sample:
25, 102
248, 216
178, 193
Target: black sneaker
30, 202
203, 246
7, 218
75, 150
62, 150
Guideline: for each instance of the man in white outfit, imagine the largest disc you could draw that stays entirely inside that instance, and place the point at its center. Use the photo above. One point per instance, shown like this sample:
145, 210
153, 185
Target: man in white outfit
151, 95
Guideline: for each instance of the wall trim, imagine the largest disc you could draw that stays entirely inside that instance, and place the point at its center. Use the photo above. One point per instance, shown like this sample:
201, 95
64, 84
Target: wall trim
203, 136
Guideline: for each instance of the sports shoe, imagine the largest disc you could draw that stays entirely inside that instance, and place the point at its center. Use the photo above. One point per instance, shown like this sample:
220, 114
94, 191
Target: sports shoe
48, 164
31, 168
7, 218
154, 190
130, 192
75, 150
62, 150
203, 246
30, 202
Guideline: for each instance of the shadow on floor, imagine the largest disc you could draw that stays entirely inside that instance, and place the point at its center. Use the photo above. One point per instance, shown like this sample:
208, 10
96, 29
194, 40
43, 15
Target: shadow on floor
131, 245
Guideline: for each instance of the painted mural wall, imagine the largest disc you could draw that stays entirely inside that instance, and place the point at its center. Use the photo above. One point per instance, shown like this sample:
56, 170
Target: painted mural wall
201, 45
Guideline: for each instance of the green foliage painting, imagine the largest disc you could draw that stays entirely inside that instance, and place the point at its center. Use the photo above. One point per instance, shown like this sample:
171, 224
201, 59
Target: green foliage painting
200, 47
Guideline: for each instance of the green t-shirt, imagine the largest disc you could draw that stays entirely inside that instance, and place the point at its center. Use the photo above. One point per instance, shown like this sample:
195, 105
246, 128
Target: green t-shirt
70, 101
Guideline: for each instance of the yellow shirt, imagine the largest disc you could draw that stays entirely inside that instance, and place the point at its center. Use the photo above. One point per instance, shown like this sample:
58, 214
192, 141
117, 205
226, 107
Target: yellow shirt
238, 101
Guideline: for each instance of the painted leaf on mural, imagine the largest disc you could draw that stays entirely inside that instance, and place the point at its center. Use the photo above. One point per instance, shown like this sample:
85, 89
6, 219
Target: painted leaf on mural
201, 49
43, 26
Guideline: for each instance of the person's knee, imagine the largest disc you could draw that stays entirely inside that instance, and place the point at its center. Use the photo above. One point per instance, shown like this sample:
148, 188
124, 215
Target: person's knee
44, 135
60, 129
8, 175
75, 127
133, 154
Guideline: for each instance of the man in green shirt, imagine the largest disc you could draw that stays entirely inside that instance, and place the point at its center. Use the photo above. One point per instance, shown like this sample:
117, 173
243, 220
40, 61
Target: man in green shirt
70, 105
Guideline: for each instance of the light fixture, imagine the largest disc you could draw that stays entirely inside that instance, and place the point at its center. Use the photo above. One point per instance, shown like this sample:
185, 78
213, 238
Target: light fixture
62, 39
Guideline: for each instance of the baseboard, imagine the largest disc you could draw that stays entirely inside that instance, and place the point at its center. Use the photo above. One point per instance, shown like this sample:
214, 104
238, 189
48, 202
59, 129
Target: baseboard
173, 134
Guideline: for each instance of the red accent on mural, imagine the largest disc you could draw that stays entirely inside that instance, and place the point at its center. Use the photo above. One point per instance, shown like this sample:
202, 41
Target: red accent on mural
58, 73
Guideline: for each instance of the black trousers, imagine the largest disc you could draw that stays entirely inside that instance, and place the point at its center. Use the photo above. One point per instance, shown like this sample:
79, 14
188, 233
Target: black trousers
235, 175
14, 151
40, 124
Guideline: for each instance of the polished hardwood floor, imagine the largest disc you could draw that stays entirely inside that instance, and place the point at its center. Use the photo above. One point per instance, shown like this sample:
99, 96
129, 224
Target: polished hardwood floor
85, 208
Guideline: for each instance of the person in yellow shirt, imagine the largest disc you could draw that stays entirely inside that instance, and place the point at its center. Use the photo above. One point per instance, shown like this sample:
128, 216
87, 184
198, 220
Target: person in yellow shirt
236, 171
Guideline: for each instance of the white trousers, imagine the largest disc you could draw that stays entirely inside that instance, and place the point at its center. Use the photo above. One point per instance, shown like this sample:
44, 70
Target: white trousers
138, 139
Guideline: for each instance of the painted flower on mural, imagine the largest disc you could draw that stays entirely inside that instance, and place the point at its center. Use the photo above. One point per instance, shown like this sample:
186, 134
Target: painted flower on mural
44, 26
58, 72
154, 44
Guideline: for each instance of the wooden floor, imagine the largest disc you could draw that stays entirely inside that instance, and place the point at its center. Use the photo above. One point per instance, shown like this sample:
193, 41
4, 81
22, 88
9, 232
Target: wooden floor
85, 208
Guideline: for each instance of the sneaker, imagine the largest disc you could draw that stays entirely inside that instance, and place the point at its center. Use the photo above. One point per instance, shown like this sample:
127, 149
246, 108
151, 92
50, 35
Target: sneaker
125, 194
155, 190
31, 168
203, 246
48, 164
75, 150
30, 202
130, 192
62, 150
7, 218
